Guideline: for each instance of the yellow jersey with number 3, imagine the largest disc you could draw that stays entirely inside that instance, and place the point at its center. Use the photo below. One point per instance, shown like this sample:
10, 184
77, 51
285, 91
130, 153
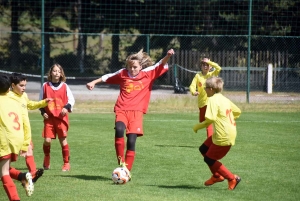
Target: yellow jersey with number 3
11, 126
26, 105
223, 113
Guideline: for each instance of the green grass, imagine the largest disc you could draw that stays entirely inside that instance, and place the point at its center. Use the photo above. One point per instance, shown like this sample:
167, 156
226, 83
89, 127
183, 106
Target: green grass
168, 165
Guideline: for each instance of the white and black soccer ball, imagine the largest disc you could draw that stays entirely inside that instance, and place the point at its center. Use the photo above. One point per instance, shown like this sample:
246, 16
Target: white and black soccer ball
120, 176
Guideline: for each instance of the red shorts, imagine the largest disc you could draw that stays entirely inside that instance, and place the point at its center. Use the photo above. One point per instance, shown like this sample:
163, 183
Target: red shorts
133, 121
202, 111
215, 152
55, 127
13, 157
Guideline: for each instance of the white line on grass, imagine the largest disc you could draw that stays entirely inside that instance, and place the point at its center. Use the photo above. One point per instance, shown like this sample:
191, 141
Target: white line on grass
180, 120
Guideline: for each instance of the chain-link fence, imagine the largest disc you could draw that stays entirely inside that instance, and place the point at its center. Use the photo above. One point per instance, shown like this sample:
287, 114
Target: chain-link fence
224, 50
88, 47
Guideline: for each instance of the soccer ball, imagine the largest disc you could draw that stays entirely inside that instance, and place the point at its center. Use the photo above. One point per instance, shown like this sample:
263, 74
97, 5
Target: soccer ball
120, 175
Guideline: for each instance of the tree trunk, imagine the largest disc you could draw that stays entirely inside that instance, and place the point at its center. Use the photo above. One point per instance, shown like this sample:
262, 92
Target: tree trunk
14, 46
115, 50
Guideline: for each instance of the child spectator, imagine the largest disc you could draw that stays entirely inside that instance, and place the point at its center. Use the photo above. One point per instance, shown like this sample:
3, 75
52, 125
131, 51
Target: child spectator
56, 121
197, 87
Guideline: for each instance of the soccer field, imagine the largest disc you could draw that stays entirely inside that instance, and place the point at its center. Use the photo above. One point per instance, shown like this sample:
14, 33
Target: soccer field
168, 165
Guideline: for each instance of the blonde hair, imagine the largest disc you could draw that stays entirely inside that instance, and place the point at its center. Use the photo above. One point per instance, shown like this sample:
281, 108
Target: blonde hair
143, 58
62, 73
216, 83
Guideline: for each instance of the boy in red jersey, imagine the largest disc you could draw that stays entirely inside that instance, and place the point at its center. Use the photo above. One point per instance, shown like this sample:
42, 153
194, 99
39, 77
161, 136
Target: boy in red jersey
56, 121
197, 88
12, 141
136, 81
220, 112
18, 86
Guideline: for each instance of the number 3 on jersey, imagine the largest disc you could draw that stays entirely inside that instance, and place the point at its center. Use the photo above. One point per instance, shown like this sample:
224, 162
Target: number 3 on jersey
15, 120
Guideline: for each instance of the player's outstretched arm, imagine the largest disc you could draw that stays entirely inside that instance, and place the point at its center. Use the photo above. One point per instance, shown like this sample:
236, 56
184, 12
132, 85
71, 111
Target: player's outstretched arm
91, 85
167, 57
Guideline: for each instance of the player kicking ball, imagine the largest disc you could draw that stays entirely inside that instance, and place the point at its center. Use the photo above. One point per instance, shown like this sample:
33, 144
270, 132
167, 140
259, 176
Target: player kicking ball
135, 82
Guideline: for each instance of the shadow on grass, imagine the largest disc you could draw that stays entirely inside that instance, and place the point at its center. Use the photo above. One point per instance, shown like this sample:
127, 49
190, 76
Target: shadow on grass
87, 177
170, 145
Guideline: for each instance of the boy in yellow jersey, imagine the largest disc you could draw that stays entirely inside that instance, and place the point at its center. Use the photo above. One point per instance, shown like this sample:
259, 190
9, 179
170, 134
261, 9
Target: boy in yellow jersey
12, 140
197, 88
220, 112
18, 86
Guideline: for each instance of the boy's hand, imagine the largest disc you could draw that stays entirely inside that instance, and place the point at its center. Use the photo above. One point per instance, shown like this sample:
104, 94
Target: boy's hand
195, 128
48, 99
205, 60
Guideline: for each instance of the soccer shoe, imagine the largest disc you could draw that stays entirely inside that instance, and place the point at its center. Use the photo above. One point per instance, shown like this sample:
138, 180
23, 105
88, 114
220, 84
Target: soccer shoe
38, 173
46, 163
66, 167
123, 165
213, 180
233, 183
27, 183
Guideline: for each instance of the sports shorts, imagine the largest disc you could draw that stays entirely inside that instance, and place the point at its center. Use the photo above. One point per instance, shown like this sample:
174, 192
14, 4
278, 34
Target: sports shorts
132, 119
55, 127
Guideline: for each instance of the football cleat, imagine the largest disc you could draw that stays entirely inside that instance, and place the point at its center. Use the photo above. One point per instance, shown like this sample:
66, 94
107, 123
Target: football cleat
123, 165
66, 167
27, 183
213, 180
38, 173
233, 183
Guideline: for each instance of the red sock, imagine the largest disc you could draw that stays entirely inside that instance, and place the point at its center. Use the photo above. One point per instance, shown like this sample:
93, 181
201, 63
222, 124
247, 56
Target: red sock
119, 147
129, 159
10, 188
30, 164
46, 150
66, 153
14, 173
222, 170
209, 130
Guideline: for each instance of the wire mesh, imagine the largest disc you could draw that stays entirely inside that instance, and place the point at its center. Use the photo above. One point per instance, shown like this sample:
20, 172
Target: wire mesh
91, 38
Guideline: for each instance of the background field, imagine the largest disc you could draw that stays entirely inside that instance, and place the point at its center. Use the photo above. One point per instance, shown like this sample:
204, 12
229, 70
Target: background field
168, 165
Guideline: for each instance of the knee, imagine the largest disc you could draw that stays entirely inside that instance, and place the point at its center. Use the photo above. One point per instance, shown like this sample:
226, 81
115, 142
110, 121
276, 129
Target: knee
131, 139
63, 141
47, 141
203, 149
120, 128
209, 161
